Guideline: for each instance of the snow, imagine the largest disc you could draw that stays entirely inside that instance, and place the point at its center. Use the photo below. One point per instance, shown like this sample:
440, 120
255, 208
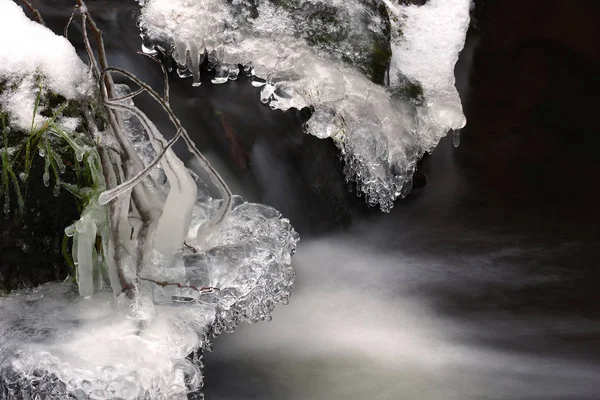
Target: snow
381, 136
427, 50
92, 341
28, 49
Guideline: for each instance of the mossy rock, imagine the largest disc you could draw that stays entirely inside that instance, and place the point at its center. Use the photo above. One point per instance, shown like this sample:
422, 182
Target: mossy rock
360, 37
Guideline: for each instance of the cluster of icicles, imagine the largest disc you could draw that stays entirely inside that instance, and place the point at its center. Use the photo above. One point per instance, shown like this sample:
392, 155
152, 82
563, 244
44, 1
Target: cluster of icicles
381, 136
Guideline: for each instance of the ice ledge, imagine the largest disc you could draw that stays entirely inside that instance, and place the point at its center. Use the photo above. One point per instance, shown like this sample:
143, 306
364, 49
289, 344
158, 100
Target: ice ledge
55, 344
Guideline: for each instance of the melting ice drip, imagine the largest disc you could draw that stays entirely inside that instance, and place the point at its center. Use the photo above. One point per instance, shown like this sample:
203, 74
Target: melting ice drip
299, 64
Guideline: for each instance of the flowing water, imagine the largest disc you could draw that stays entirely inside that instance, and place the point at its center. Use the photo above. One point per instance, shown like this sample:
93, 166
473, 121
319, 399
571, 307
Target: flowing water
481, 285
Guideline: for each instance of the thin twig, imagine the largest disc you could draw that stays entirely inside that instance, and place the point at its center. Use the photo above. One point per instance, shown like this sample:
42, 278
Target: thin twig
88, 48
34, 11
203, 289
101, 49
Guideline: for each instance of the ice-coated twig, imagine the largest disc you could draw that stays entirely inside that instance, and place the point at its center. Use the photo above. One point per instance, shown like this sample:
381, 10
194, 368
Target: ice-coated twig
109, 195
129, 95
205, 229
174, 222
202, 289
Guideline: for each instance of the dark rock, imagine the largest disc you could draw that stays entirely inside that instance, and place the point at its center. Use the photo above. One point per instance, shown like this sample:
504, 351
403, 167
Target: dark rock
412, 2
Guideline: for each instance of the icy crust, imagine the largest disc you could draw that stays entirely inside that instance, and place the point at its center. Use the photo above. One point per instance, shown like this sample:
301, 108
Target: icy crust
56, 344
28, 50
381, 134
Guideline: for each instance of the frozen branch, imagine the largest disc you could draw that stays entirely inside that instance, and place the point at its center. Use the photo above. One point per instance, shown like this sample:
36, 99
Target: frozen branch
34, 11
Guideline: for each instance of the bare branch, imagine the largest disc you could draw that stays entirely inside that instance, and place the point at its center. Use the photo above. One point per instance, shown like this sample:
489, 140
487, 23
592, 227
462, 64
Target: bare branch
165, 75
34, 11
66, 31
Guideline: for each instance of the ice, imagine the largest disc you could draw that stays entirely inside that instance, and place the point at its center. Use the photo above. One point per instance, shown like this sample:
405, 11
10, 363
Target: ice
52, 341
28, 49
331, 55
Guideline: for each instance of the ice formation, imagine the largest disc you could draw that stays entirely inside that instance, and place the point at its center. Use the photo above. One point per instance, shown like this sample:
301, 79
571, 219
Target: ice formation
54, 343
180, 264
312, 53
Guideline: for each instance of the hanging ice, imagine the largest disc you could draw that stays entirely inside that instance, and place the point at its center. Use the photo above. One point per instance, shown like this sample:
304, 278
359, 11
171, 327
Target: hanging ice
333, 56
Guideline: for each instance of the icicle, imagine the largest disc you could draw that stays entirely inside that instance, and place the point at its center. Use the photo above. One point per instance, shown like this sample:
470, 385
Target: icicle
70, 230
46, 176
456, 137
61, 165
86, 239
221, 74
197, 55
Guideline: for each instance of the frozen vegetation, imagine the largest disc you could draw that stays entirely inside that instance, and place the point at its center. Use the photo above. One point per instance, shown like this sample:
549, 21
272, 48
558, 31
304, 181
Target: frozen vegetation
378, 75
162, 260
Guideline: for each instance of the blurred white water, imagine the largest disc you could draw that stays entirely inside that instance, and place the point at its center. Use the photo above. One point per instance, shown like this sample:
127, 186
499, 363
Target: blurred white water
362, 325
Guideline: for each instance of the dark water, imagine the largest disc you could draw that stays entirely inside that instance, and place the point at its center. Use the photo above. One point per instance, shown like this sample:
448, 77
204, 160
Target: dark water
481, 285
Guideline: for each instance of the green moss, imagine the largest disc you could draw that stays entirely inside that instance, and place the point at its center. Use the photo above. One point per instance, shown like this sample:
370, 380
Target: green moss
379, 62
327, 27
408, 90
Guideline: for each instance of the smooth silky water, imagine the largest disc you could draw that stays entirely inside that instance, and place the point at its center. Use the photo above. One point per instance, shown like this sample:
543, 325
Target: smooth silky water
473, 287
